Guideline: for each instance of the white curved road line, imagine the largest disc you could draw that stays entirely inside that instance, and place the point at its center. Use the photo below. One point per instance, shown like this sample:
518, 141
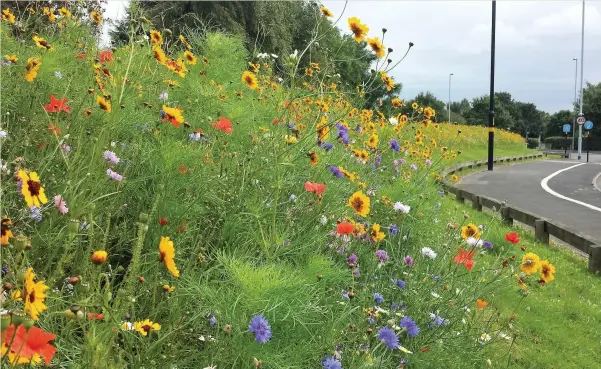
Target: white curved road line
595, 181
546, 187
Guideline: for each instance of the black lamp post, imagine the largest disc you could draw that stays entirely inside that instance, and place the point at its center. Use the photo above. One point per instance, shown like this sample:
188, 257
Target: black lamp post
491, 114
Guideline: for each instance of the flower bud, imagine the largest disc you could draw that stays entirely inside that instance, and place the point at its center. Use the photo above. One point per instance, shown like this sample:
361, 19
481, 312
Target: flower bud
411, 44
143, 218
227, 329
384, 30
4, 321
390, 49
7, 286
79, 315
18, 316
28, 323
73, 280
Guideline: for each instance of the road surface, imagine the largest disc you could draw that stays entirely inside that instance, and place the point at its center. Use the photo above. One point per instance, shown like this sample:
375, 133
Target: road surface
560, 190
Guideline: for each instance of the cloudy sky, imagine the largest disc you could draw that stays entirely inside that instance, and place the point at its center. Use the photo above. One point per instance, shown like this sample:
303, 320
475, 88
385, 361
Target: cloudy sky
535, 44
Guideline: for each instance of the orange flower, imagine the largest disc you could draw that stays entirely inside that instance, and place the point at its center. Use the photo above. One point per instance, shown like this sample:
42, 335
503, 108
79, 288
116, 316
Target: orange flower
314, 158
481, 304
345, 228
56, 106
172, 115
316, 188
224, 125
105, 56
25, 346
99, 257
465, 258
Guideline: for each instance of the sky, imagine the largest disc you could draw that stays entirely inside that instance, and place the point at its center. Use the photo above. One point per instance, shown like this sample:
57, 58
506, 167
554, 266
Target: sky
536, 42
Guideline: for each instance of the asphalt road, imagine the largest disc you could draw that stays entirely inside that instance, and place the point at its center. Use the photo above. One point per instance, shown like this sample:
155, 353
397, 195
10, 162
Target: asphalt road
520, 185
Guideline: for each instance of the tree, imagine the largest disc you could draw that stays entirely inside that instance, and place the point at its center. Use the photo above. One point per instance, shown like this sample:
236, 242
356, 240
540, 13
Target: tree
427, 98
556, 122
462, 108
592, 106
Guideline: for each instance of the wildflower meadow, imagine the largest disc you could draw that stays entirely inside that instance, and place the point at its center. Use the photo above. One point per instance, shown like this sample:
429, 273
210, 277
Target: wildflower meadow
183, 201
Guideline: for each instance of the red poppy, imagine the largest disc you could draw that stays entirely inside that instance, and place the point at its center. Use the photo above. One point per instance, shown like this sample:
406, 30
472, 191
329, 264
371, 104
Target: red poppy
80, 56
276, 120
163, 221
316, 188
57, 105
182, 228
29, 342
344, 228
55, 130
512, 237
95, 316
465, 258
105, 56
224, 125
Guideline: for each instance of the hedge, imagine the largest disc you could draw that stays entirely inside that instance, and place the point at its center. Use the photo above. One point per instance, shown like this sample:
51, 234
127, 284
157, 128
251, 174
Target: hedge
559, 142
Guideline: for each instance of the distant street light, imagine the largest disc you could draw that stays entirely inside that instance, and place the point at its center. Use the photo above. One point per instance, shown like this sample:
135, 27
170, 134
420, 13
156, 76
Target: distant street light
491, 113
575, 101
449, 106
581, 87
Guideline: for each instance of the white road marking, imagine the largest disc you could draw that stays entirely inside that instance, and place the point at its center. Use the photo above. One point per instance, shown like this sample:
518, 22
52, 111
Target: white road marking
595, 181
546, 187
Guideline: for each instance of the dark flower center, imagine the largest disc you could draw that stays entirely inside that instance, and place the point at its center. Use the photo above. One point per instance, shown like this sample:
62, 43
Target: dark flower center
31, 297
146, 328
34, 187
357, 204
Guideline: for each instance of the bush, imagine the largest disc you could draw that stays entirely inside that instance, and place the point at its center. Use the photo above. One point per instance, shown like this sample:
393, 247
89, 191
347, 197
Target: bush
559, 143
533, 143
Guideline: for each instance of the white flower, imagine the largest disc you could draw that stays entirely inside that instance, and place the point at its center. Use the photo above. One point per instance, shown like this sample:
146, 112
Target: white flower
484, 337
163, 96
428, 252
262, 55
211, 367
274, 56
128, 326
393, 121
58, 75
435, 295
280, 79
293, 197
294, 55
399, 206
3, 133
323, 220
474, 242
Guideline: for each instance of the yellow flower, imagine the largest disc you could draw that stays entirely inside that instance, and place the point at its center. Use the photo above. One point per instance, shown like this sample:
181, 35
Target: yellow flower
470, 230
373, 141
34, 294
325, 11
397, 103
178, 67
167, 255
359, 30
96, 17
360, 203
8, 16
250, 79
414, 105
376, 235
64, 12
190, 58
547, 271
171, 83
182, 39
99, 257
155, 37
289, 139
103, 103
168, 289
31, 189
41, 43
530, 263
455, 178
7, 234
314, 158
173, 115
429, 112
50, 13
11, 58
388, 81
377, 47
32, 67
159, 54
146, 326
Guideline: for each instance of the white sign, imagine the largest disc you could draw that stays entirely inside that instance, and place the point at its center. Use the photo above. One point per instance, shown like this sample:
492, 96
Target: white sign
580, 120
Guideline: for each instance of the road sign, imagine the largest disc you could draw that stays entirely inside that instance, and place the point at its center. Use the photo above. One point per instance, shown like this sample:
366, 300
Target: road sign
580, 120
588, 124
566, 128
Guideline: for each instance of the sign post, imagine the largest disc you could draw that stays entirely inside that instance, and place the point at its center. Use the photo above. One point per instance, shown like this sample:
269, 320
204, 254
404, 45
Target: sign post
588, 125
580, 121
566, 129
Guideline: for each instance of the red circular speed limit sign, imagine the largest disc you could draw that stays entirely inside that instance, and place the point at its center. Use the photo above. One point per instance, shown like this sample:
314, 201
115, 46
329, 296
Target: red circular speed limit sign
580, 120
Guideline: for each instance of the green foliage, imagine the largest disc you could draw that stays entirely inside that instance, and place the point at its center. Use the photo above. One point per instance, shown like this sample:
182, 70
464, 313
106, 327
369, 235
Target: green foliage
592, 106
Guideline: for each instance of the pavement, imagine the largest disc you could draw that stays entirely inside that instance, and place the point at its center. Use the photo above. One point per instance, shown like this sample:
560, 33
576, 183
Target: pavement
570, 196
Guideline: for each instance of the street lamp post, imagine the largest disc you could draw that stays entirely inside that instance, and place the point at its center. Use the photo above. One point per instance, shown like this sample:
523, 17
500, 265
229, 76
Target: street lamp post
581, 87
575, 101
491, 112
449, 106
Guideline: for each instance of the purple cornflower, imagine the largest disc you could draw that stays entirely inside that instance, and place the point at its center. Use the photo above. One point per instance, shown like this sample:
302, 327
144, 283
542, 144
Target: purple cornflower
326, 146
413, 167
400, 283
35, 213
5, 269
66, 148
428, 162
389, 338
212, 320
394, 145
352, 259
382, 256
343, 134
371, 320
403, 363
378, 298
438, 320
114, 175
488, 245
393, 229
378, 160
336, 172
345, 295
61, 204
331, 363
409, 260
111, 157
261, 328
410, 326
356, 272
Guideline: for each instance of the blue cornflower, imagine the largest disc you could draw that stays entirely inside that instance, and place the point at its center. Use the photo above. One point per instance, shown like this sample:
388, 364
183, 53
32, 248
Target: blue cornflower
400, 283
326, 146
393, 229
394, 144
390, 338
487, 244
378, 160
371, 320
331, 363
5, 269
212, 320
410, 326
378, 298
352, 259
261, 328
35, 213
336, 172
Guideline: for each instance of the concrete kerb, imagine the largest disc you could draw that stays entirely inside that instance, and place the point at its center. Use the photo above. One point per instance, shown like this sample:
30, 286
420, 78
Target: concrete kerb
543, 228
